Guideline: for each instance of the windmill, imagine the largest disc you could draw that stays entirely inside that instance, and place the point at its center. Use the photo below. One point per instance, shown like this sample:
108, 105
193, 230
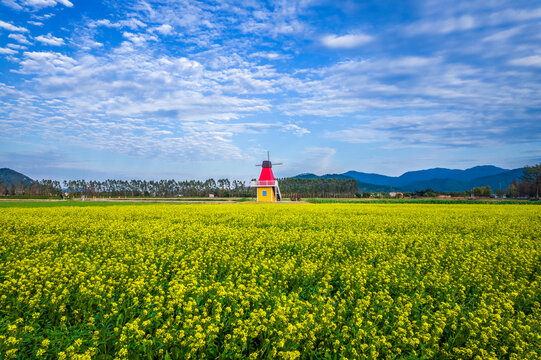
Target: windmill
267, 186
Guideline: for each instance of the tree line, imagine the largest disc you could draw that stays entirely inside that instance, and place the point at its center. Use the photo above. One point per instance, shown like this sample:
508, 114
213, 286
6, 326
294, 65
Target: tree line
35, 188
173, 188
529, 186
325, 188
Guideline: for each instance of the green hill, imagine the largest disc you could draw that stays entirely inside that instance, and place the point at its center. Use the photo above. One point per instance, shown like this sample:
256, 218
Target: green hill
8, 176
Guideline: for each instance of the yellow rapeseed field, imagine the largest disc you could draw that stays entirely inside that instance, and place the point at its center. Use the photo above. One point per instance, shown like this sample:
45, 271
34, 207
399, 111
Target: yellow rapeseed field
285, 281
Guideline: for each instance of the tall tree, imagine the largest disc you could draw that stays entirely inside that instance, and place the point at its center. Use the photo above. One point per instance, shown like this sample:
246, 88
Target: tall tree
532, 175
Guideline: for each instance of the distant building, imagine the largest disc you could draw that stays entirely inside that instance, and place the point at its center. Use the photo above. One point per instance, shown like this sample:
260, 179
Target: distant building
444, 196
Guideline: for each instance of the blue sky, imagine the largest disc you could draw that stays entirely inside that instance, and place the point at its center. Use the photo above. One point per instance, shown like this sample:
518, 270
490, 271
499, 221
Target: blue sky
194, 89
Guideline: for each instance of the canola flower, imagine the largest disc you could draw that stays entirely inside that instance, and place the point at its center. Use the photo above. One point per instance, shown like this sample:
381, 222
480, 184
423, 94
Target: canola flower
302, 281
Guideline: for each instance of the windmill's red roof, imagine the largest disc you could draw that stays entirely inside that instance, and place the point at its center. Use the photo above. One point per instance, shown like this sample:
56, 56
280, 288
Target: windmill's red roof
266, 174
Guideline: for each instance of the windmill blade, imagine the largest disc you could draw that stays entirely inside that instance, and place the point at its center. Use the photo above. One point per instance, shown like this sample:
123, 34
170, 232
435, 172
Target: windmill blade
259, 165
277, 163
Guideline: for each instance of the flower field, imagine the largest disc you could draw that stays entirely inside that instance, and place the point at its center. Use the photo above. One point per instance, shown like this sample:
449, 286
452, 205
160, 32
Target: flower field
286, 281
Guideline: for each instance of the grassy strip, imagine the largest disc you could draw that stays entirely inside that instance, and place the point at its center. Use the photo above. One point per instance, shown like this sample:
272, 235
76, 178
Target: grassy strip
68, 203
76, 203
422, 201
33, 197
181, 199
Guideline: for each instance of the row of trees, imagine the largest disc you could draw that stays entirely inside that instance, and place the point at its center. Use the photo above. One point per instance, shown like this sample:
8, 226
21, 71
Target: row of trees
171, 188
482, 191
529, 186
160, 188
134, 188
290, 187
36, 188
522, 189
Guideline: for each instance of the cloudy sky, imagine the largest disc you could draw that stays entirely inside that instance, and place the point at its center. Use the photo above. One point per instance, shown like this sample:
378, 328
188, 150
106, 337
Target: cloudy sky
197, 89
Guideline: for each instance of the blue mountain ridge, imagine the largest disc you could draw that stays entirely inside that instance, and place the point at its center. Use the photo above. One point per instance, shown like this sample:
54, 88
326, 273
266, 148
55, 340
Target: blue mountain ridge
439, 179
8, 176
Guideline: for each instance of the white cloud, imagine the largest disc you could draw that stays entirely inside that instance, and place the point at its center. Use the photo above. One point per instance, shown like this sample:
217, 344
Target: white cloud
17, 47
357, 135
480, 100
438, 129
7, 51
11, 27
410, 62
474, 19
43, 16
35, 4
6, 90
297, 130
233, 128
20, 38
35, 23
138, 39
65, 3
45, 63
207, 20
270, 55
164, 29
504, 34
131, 23
142, 97
443, 26
86, 43
514, 15
105, 23
346, 41
534, 60
50, 40
168, 106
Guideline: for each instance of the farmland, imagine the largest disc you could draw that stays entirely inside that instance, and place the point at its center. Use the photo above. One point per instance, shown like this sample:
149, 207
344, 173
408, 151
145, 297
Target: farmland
308, 281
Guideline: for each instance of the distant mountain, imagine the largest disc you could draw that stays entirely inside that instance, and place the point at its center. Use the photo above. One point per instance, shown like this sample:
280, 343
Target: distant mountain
446, 185
442, 173
372, 178
498, 181
424, 175
8, 176
326, 176
306, 176
439, 179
